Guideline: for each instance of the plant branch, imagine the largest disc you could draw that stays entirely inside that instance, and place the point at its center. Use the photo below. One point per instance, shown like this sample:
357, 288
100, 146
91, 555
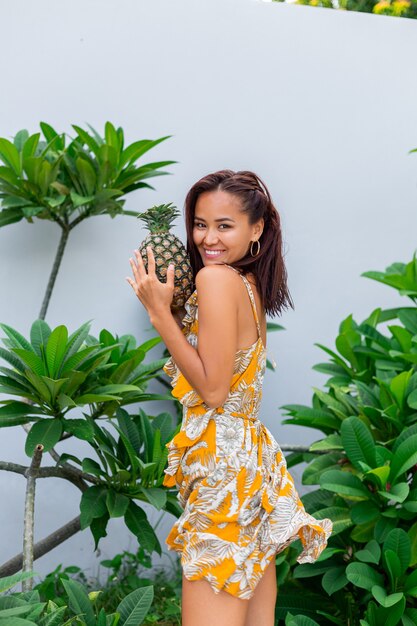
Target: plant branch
289, 447
54, 272
77, 220
42, 547
28, 524
74, 475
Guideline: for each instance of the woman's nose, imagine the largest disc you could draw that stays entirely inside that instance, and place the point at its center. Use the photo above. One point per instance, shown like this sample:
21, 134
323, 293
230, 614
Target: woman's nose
211, 238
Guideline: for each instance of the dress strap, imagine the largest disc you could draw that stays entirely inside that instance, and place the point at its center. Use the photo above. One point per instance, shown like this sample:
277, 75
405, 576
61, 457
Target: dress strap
251, 296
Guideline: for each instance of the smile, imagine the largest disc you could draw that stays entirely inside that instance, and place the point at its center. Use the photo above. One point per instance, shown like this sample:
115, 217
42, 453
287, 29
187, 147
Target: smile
213, 253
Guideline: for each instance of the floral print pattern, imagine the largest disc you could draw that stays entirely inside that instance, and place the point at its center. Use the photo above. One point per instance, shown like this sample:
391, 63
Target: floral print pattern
240, 504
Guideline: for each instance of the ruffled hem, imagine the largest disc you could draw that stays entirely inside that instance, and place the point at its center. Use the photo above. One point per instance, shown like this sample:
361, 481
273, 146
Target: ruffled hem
238, 569
271, 517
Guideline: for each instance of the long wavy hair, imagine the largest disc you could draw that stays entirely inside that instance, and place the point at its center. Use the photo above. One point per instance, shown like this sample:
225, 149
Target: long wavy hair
268, 266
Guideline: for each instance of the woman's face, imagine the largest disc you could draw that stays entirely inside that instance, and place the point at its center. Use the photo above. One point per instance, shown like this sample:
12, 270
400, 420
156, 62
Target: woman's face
221, 231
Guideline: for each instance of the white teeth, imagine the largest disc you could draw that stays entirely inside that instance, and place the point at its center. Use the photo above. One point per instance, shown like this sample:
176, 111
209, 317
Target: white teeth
213, 252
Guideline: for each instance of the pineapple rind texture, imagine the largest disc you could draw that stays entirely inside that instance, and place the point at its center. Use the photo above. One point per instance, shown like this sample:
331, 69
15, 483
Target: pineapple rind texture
168, 248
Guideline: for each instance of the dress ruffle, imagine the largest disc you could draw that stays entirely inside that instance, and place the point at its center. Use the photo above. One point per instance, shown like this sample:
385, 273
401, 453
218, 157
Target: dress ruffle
240, 504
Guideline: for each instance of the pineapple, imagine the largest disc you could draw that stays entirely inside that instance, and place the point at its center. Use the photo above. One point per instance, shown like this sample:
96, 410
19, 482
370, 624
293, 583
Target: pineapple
167, 248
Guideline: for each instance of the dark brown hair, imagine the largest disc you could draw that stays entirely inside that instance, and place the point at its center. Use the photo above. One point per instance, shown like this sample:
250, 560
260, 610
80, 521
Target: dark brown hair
268, 266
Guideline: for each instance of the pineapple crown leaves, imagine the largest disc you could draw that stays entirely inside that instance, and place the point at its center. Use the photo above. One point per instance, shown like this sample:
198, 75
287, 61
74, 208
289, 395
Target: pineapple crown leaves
158, 218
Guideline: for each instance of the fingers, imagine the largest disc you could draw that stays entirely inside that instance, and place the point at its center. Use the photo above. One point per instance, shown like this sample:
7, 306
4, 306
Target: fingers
170, 275
134, 287
151, 261
139, 271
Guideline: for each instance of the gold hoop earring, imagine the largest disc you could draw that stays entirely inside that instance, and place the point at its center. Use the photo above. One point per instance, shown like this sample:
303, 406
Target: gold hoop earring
251, 248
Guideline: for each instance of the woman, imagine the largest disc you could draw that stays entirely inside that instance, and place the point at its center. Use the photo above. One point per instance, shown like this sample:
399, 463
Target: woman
240, 504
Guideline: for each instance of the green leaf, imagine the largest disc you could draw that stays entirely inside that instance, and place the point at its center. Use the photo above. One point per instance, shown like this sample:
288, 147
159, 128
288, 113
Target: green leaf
92, 398
10, 216
16, 621
155, 496
363, 576
20, 138
371, 553
78, 200
405, 457
410, 585
31, 359
55, 349
345, 484
10, 155
80, 428
19, 409
18, 340
98, 528
54, 386
47, 432
138, 148
8, 582
358, 442
87, 175
39, 334
412, 534
30, 146
79, 601
334, 579
135, 606
398, 387
331, 442
40, 386
399, 542
116, 503
392, 565
93, 504
87, 139
92, 467
137, 523
129, 428
383, 598
397, 493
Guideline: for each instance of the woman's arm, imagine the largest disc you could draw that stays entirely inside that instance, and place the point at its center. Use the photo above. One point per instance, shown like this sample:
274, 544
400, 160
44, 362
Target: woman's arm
178, 315
209, 368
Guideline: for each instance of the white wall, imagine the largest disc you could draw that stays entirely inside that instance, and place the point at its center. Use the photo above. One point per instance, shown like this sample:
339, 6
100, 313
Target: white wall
320, 103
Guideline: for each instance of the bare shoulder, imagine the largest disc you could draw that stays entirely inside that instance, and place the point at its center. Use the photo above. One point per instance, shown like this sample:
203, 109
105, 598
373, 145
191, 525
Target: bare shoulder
216, 280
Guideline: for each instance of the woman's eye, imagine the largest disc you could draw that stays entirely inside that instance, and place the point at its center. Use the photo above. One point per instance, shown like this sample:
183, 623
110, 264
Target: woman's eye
198, 224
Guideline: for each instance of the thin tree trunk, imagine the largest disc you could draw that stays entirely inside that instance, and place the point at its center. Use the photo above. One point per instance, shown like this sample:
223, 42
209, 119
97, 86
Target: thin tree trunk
54, 272
42, 547
29, 516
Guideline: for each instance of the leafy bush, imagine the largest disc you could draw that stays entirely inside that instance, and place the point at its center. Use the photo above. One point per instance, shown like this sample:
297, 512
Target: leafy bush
58, 374
126, 572
366, 466
27, 609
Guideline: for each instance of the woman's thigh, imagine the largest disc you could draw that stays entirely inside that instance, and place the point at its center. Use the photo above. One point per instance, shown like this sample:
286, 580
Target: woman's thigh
201, 606
261, 608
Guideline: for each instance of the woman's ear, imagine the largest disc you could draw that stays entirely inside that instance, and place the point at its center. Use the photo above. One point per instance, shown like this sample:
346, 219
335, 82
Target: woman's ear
259, 227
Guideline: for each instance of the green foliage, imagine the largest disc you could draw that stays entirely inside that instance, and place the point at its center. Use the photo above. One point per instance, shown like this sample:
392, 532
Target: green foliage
367, 465
59, 374
76, 606
46, 178
395, 8
127, 572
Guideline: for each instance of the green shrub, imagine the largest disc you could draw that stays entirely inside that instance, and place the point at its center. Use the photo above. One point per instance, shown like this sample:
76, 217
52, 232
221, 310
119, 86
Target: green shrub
367, 466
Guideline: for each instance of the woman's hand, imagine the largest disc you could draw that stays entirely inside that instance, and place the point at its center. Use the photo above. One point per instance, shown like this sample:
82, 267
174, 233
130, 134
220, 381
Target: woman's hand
155, 296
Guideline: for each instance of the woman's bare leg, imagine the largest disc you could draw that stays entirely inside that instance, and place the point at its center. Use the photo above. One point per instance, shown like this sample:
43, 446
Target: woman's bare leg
261, 608
201, 606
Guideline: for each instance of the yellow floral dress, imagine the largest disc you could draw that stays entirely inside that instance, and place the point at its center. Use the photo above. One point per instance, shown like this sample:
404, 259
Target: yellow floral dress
240, 504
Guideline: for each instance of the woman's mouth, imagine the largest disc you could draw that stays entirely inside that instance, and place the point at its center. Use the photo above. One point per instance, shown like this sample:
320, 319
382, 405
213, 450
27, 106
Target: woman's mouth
212, 254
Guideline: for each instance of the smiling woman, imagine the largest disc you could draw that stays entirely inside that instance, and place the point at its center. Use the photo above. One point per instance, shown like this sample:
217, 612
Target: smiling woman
240, 504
